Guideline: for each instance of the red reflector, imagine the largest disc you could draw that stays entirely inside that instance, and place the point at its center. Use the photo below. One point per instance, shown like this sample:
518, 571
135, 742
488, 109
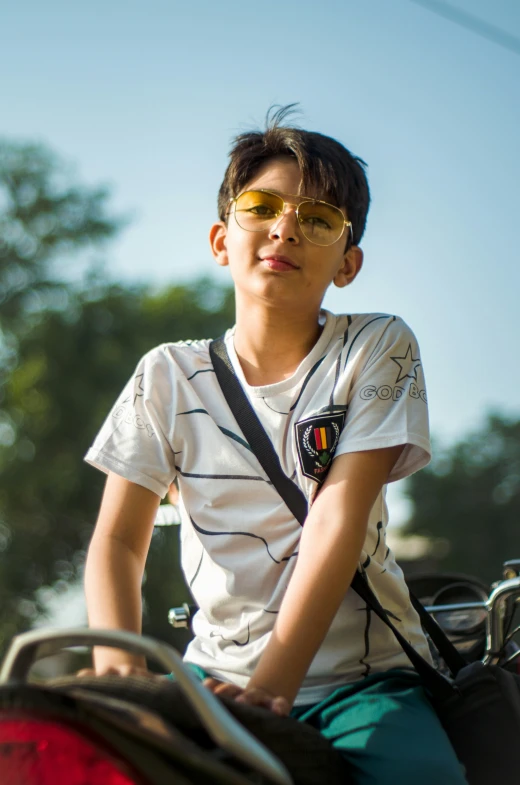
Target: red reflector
47, 752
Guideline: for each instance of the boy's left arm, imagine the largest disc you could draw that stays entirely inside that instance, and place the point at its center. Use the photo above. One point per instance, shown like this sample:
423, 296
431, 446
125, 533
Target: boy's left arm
330, 548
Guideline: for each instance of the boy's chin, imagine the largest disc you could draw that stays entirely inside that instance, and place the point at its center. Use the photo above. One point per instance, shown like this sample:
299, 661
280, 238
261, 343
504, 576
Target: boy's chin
278, 292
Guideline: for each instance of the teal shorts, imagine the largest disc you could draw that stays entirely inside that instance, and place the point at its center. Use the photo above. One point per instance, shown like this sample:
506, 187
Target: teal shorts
386, 729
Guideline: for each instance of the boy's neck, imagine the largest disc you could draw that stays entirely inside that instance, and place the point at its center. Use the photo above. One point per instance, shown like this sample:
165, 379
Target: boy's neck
270, 345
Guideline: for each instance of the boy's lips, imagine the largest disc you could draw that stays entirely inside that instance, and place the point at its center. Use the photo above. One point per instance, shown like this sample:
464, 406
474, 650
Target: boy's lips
279, 262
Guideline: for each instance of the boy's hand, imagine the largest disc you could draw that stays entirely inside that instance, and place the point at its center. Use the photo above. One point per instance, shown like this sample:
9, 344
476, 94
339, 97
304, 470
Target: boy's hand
115, 670
254, 696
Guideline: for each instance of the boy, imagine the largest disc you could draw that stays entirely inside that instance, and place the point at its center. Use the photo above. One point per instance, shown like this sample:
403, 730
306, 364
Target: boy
343, 400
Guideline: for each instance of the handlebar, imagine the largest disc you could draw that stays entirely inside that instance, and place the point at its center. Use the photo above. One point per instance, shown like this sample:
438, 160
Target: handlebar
496, 606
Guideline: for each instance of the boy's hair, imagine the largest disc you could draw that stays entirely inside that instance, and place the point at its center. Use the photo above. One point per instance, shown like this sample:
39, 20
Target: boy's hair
325, 164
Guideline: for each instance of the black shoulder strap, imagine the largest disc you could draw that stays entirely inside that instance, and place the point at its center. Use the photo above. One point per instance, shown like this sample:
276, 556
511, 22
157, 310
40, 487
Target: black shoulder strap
254, 431
262, 447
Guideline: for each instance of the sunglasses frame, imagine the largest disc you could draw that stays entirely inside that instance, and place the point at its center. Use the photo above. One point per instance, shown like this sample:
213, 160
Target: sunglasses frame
303, 200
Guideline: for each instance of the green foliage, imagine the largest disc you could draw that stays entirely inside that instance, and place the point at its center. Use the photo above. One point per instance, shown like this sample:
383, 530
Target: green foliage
470, 498
43, 218
71, 367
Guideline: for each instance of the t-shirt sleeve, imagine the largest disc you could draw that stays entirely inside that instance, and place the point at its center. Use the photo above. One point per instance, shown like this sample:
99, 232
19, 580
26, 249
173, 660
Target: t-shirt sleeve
387, 403
136, 439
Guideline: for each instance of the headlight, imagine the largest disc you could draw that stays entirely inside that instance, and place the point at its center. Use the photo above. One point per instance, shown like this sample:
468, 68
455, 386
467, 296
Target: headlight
460, 621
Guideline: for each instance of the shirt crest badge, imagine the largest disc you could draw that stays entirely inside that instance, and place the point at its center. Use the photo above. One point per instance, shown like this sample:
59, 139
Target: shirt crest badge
316, 439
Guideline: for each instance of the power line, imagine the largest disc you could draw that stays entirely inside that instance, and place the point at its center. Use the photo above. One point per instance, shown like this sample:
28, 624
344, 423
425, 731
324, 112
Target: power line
470, 22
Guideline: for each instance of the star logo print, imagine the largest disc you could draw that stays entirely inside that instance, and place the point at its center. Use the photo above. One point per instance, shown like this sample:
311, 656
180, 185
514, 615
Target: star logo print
408, 366
140, 388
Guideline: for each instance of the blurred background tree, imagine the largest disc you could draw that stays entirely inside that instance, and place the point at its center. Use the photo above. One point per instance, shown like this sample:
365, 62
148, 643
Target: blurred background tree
44, 217
468, 500
64, 362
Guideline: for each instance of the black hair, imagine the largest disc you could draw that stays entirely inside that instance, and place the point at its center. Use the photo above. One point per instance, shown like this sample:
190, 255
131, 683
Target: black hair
325, 164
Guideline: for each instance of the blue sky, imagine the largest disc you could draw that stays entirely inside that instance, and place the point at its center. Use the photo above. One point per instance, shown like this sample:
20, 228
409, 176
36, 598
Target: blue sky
147, 96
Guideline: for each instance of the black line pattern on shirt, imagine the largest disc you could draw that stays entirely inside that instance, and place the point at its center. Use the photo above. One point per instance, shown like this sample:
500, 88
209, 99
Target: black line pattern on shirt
386, 554
225, 431
140, 387
336, 407
366, 562
392, 615
231, 640
197, 570
306, 381
235, 437
266, 611
243, 534
274, 410
362, 661
203, 370
338, 365
221, 476
384, 316
345, 334
379, 527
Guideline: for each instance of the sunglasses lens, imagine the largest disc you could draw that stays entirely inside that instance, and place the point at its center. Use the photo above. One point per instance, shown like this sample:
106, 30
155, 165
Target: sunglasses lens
256, 210
321, 223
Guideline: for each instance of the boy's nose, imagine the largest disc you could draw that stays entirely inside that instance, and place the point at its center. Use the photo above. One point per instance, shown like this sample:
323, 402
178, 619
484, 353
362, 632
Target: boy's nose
286, 227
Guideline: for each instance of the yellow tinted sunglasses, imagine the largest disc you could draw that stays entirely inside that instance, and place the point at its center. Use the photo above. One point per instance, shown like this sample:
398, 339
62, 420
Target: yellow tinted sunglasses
320, 222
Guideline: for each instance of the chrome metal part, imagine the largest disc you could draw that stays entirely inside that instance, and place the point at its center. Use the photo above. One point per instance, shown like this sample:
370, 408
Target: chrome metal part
511, 569
498, 603
180, 617
456, 606
512, 658
511, 635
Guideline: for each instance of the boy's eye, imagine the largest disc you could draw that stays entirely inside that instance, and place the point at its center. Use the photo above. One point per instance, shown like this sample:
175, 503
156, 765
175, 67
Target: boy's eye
262, 210
316, 221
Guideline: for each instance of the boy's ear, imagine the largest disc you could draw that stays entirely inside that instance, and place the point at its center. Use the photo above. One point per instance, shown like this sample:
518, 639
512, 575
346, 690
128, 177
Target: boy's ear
352, 264
217, 241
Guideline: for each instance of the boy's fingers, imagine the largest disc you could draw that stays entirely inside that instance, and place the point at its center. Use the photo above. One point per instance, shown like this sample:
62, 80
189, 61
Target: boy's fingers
227, 691
211, 683
131, 670
221, 688
116, 670
255, 697
280, 706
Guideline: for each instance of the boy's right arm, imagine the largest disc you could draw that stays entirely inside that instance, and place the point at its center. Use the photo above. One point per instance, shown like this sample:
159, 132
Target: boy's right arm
115, 566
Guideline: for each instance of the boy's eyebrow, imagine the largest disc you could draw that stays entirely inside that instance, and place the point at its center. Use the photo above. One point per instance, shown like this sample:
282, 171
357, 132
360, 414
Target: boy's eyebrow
301, 196
296, 196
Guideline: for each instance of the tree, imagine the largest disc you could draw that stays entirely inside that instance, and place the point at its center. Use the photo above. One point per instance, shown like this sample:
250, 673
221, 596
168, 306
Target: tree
470, 499
43, 218
72, 365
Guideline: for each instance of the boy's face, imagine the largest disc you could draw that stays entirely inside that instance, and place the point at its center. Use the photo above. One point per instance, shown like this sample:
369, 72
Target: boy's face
279, 264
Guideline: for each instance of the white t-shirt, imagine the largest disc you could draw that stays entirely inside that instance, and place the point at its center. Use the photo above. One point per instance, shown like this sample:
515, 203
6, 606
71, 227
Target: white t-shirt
360, 388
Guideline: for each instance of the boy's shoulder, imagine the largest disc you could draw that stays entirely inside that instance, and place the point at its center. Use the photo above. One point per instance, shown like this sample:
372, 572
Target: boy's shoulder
178, 358
362, 337
172, 350
357, 326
